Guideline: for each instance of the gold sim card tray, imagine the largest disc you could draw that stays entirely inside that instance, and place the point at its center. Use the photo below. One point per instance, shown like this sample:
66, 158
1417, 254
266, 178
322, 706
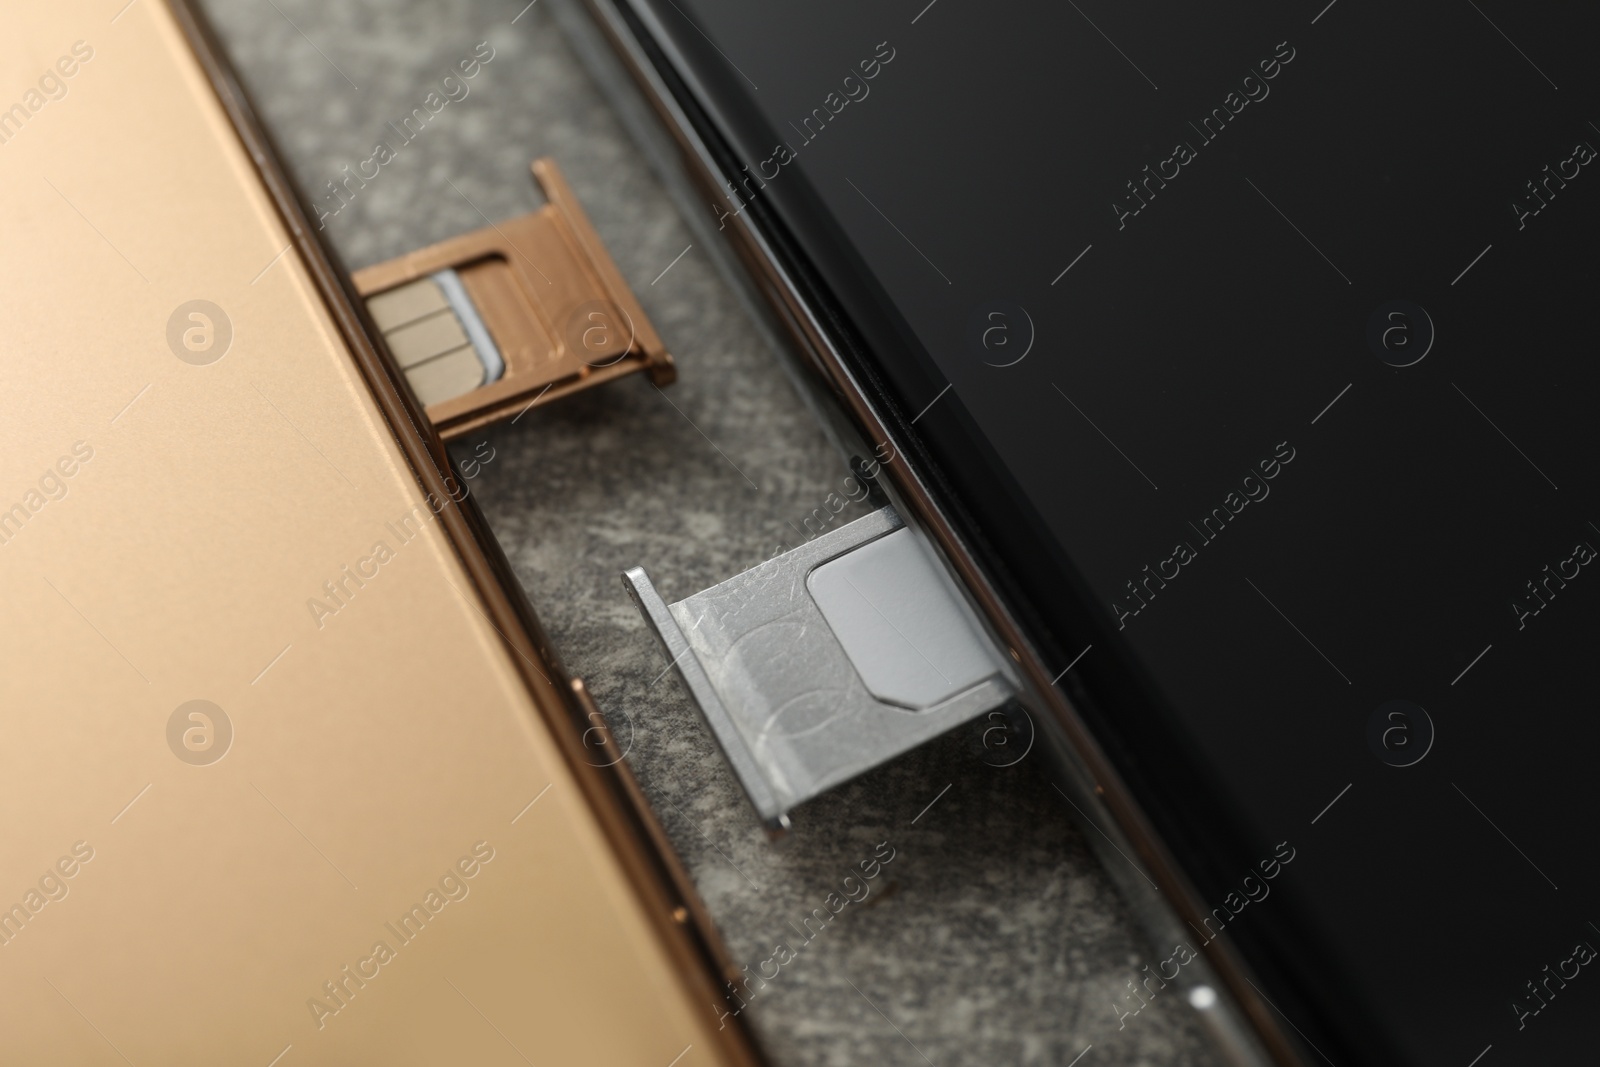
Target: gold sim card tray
522, 312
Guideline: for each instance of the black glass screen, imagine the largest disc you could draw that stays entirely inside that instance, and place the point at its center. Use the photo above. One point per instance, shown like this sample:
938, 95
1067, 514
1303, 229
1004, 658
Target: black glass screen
1257, 341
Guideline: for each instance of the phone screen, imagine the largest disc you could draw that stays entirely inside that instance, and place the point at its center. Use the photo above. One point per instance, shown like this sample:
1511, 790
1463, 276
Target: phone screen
1271, 326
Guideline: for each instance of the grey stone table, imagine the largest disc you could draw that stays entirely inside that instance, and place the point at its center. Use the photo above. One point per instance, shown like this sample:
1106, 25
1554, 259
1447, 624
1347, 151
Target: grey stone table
993, 936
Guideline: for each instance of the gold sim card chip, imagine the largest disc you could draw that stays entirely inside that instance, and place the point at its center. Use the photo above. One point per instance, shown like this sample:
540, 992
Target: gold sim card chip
490, 323
437, 336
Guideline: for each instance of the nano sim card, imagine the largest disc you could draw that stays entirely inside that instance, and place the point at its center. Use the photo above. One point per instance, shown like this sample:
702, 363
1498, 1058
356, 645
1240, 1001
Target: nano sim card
490, 323
437, 336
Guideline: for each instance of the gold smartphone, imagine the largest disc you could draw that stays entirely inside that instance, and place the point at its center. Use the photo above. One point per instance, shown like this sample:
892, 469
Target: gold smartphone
290, 773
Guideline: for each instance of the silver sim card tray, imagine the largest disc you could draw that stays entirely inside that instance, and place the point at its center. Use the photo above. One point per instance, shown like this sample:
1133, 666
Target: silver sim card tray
829, 659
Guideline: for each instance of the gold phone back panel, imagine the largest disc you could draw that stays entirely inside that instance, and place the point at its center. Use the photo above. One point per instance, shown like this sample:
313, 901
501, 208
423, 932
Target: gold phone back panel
362, 845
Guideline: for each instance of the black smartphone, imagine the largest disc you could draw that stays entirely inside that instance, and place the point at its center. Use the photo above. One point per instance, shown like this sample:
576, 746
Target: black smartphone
1245, 354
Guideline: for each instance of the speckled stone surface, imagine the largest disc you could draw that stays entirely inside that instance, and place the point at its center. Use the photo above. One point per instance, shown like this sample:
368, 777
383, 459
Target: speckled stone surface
993, 936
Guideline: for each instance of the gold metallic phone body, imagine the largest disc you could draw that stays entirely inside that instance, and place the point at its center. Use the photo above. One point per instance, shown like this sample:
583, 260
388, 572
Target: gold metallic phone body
397, 854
